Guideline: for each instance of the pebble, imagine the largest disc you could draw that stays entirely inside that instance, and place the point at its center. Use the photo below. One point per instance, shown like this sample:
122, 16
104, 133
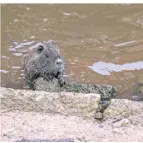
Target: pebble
99, 115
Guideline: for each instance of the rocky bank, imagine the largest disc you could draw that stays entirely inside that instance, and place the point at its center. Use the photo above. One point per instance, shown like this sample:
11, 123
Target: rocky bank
66, 116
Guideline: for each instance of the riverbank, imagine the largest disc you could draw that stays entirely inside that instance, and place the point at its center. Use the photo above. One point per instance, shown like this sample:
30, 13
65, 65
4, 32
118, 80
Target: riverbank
32, 115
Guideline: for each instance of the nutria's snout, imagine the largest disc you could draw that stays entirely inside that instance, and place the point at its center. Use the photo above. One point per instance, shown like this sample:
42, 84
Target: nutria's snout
59, 64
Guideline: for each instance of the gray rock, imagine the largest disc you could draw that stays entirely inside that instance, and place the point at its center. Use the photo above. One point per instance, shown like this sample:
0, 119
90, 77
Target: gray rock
65, 103
123, 108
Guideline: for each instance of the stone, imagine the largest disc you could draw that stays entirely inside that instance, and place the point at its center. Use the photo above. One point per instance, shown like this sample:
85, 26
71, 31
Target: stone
65, 103
122, 108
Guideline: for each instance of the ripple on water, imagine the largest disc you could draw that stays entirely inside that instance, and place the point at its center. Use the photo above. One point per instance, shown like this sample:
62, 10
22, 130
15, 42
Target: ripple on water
67, 14
12, 49
21, 45
4, 71
5, 57
16, 67
124, 44
17, 54
19, 48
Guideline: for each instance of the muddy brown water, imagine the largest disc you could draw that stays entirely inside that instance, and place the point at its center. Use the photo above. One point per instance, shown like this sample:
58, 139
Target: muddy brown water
101, 43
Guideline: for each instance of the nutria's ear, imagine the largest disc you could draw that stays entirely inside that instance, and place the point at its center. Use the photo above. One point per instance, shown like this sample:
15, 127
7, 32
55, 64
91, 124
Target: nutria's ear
52, 44
40, 48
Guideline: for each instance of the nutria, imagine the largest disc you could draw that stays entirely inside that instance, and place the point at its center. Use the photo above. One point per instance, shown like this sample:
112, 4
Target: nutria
44, 60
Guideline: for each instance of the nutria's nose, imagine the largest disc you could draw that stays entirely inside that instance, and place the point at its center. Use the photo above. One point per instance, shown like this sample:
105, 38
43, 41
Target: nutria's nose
59, 62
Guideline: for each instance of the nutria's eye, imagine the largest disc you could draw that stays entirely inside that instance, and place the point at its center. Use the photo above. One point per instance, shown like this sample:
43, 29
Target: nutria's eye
40, 49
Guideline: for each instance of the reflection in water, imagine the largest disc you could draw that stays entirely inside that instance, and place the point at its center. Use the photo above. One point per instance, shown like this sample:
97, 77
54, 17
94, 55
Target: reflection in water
3, 71
105, 68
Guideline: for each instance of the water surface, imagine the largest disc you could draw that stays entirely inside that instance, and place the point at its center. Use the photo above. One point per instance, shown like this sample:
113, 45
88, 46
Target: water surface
101, 43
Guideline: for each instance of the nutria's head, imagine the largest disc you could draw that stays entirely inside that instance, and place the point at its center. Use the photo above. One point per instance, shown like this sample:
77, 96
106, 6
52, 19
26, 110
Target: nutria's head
44, 60
48, 58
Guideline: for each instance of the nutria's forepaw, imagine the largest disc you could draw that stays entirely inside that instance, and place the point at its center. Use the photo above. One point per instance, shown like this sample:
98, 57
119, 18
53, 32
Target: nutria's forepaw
61, 82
